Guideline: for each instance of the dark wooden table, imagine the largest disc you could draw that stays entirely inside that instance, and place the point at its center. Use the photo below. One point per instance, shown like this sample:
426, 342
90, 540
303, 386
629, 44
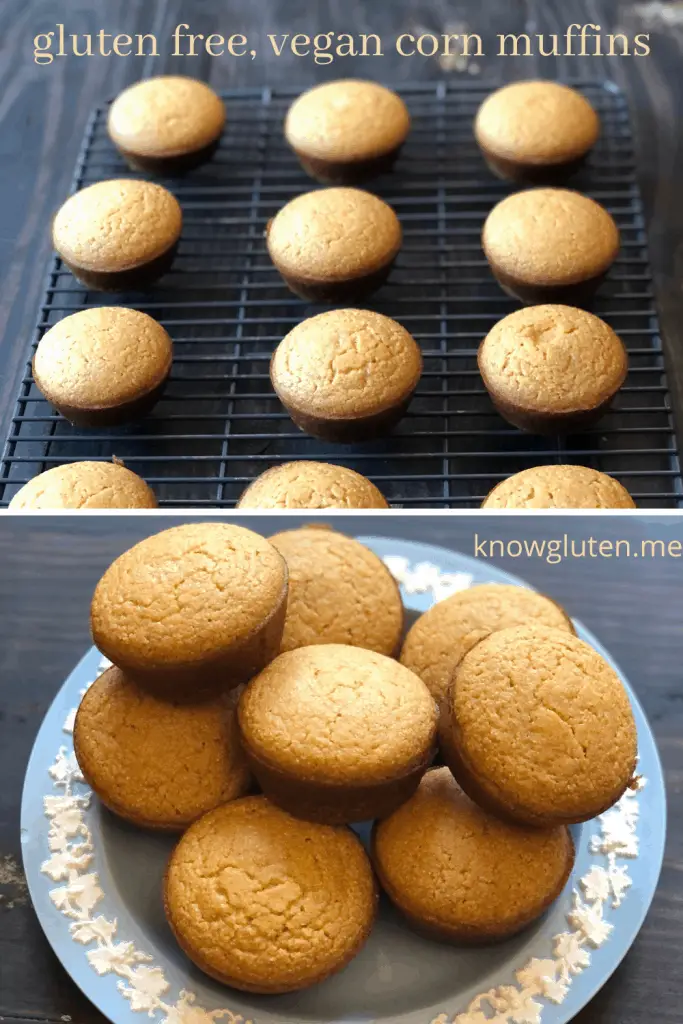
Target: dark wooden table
44, 108
48, 568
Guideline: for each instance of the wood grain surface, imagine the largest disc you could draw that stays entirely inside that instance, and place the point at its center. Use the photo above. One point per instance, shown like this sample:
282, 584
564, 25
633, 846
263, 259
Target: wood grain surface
49, 567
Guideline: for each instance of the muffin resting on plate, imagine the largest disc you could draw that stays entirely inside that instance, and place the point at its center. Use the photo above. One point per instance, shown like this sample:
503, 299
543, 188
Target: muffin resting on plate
266, 903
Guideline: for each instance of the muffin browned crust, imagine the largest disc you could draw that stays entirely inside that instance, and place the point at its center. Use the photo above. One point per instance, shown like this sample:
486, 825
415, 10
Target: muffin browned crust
559, 487
311, 485
552, 369
550, 245
103, 366
347, 131
536, 132
195, 608
445, 632
537, 727
266, 903
167, 124
337, 734
335, 244
158, 764
461, 875
119, 234
346, 375
84, 485
340, 592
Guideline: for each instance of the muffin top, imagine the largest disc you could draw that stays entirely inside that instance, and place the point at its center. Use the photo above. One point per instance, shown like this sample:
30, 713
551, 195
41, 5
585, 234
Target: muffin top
346, 363
186, 593
85, 485
101, 358
158, 763
166, 116
338, 715
311, 485
550, 236
450, 863
537, 123
116, 225
442, 635
333, 234
553, 359
266, 901
559, 487
544, 723
340, 592
347, 120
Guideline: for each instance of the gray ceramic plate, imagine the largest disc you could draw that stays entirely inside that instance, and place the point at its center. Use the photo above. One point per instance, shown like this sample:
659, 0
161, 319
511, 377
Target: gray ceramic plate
95, 885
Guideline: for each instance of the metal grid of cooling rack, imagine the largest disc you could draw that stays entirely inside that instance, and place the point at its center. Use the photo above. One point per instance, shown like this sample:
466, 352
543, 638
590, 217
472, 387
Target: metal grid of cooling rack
219, 424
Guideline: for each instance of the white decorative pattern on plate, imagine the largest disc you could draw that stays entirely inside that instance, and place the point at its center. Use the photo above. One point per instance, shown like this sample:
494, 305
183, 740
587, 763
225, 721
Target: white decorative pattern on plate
600, 891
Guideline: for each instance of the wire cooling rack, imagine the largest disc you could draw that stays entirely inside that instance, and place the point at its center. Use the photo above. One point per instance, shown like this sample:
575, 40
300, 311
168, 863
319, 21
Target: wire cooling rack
219, 424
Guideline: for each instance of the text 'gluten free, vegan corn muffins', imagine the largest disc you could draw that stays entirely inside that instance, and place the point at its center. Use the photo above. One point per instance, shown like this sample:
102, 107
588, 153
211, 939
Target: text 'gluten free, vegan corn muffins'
196, 607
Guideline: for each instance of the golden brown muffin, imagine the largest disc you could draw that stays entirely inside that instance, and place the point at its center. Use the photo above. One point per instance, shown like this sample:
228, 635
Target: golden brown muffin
347, 131
119, 234
535, 132
103, 366
550, 245
158, 764
311, 485
337, 734
461, 875
84, 485
166, 125
442, 635
346, 375
537, 727
559, 487
340, 592
266, 903
552, 369
197, 607
335, 244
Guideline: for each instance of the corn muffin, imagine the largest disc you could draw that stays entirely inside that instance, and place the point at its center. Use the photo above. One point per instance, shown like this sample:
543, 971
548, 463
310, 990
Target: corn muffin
334, 245
552, 369
337, 734
536, 132
550, 245
537, 727
266, 903
118, 235
103, 366
340, 592
158, 764
347, 374
347, 131
559, 487
195, 608
311, 485
166, 125
84, 485
442, 635
460, 875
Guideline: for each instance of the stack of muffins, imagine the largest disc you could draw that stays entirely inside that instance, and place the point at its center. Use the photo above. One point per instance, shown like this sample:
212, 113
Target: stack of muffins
348, 374
263, 699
